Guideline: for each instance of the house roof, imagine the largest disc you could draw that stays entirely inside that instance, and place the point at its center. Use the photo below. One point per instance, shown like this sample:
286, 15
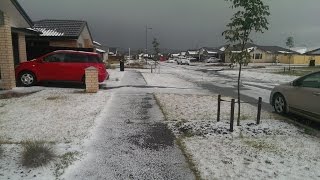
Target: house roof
22, 12
313, 52
276, 49
300, 50
270, 49
96, 43
100, 50
60, 28
192, 52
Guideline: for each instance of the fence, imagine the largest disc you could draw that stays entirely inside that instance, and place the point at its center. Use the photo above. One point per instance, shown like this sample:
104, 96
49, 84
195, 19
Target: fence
233, 102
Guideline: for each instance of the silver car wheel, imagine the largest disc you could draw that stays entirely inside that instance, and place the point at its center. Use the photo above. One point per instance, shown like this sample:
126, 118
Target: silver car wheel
27, 79
279, 104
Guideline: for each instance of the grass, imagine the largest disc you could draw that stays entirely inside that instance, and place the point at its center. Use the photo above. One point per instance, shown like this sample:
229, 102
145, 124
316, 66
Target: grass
160, 106
10, 95
260, 145
36, 154
310, 131
65, 160
244, 117
299, 71
54, 98
188, 157
181, 145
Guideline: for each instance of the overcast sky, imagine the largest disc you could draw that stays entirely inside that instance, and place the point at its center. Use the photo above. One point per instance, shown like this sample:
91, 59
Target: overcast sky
178, 24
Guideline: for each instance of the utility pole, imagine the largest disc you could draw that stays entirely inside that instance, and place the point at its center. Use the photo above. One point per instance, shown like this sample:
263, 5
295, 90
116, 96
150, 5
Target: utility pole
129, 54
147, 39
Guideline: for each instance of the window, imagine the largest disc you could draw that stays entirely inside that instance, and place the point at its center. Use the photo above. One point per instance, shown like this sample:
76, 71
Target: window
95, 59
76, 58
55, 58
258, 56
311, 81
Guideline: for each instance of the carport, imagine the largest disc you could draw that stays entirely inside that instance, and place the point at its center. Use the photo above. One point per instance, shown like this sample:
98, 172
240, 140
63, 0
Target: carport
14, 24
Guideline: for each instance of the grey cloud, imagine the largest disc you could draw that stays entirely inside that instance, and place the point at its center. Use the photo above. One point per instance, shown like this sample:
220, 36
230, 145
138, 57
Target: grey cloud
178, 24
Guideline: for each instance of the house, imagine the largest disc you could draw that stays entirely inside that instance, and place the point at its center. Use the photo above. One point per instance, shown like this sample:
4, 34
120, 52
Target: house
59, 35
192, 54
298, 58
99, 49
263, 54
207, 52
113, 51
64, 33
15, 25
175, 55
183, 53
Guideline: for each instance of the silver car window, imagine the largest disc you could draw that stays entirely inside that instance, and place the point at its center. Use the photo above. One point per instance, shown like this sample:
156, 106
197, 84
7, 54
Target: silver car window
311, 81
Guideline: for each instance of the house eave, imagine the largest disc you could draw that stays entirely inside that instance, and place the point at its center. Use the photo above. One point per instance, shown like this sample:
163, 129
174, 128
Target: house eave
22, 12
25, 31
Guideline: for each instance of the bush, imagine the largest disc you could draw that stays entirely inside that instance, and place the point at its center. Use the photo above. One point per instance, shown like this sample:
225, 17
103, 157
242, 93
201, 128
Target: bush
36, 154
110, 66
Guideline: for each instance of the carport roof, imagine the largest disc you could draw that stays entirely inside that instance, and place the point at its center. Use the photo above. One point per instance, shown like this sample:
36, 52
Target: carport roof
60, 28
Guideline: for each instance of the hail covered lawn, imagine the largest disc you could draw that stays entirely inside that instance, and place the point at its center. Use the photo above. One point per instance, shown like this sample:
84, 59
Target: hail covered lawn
272, 150
260, 76
60, 116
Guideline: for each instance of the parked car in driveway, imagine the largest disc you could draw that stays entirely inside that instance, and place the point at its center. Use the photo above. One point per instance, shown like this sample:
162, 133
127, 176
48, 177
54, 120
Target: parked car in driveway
62, 65
301, 96
183, 61
212, 60
171, 61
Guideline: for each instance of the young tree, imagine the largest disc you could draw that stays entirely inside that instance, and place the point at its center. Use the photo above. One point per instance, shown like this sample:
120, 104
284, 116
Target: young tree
156, 49
251, 16
290, 44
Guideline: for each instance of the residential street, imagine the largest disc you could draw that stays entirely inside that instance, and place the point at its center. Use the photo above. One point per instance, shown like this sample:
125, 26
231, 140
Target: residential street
131, 141
216, 80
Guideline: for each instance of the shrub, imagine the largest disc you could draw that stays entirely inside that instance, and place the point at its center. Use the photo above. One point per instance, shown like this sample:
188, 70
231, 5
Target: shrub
36, 153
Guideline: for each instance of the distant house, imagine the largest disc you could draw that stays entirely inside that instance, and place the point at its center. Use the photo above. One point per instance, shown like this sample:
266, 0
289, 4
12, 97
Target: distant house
207, 52
262, 54
193, 54
269, 54
99, 49
14, 27
113, 51
183, 53
176, 55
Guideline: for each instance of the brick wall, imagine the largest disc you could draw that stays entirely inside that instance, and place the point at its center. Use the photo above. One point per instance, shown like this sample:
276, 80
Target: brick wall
22, 48
68, 43
92, 83
88, 43
6, 56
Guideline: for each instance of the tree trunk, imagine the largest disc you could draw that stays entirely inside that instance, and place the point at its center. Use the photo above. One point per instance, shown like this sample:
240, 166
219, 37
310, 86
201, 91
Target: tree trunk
239, 104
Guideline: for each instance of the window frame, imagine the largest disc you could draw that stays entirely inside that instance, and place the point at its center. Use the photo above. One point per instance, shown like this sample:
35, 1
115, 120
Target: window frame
54, 54
299, 82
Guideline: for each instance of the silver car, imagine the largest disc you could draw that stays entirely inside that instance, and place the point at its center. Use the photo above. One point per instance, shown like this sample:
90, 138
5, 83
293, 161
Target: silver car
301, 96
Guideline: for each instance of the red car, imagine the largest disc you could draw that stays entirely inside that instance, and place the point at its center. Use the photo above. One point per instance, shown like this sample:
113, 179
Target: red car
62, 65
